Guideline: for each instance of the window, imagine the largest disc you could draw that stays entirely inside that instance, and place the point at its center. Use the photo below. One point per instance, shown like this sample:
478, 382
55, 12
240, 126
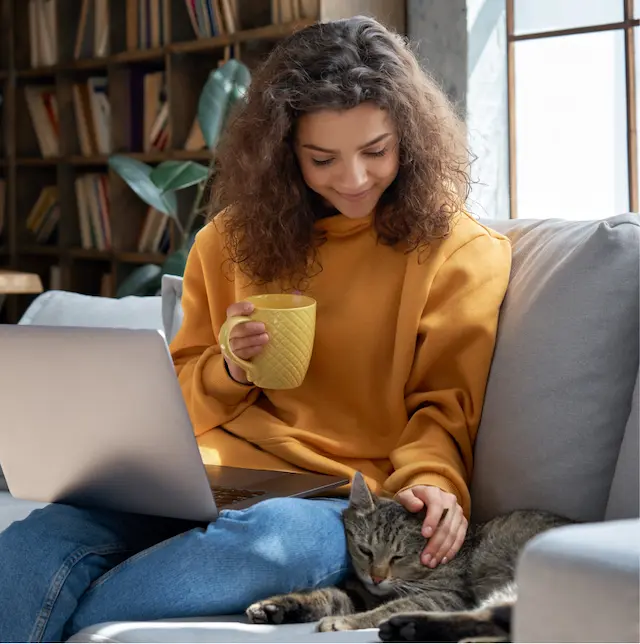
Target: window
572, 108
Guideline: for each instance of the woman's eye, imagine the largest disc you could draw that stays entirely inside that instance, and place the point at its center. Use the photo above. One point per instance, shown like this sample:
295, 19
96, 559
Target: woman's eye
377, 153
321, 161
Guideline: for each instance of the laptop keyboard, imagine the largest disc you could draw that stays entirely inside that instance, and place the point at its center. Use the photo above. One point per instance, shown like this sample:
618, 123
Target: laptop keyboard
227, 495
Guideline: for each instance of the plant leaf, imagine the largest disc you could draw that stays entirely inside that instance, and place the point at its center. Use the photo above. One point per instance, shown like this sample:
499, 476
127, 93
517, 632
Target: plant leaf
144, 280
223, 88
137, 175
176, 262
176, 175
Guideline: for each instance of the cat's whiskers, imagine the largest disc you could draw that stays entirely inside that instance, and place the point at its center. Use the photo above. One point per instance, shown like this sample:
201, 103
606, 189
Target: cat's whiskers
404, 588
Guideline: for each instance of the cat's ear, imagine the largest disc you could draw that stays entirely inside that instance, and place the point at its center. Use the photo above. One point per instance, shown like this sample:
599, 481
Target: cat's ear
360, 498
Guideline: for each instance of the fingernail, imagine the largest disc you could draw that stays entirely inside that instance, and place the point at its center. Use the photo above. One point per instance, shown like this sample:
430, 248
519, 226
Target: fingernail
427, 531
433, 564
426, 560
444, 560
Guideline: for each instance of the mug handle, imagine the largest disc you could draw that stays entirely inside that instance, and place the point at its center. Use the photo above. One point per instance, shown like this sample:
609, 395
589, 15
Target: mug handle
225, 332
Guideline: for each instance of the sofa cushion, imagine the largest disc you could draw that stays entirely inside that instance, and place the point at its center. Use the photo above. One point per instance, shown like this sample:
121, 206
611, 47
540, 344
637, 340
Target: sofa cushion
64, 308
624, 496
561, 382
12, 509
226, 628
171, 305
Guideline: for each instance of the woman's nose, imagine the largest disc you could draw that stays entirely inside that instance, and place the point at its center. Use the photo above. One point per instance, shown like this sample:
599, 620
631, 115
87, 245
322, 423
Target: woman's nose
354, 179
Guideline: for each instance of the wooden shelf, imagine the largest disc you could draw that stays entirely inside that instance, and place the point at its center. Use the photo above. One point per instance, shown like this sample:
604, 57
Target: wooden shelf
125, 257
268, 32
140, 258
79, 160
39, 250
38, 161
89, 253
186, 62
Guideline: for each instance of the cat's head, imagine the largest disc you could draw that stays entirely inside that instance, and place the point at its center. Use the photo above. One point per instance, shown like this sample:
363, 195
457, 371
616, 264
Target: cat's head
384, 540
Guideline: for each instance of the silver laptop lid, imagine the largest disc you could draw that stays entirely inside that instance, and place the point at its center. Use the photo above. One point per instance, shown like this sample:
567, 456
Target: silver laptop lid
95, 416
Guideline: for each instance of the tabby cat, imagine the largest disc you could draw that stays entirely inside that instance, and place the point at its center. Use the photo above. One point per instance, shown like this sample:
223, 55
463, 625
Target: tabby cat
469, 598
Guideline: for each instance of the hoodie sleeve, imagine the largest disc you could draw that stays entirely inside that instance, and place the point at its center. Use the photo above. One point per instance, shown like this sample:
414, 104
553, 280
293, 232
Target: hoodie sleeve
211, 395
446, 387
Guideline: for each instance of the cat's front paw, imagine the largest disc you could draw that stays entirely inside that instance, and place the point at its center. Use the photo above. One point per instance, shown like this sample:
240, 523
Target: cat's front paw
283, 609
402, 628
338, 623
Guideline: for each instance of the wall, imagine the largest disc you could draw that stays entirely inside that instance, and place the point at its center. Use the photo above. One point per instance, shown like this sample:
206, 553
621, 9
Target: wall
487, 108
463, 43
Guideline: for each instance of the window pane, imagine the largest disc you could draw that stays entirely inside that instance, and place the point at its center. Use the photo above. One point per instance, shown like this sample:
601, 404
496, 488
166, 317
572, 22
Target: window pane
546, 15
571, 153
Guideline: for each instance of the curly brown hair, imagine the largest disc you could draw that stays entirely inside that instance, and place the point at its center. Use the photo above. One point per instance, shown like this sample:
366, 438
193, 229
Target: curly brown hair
270, 212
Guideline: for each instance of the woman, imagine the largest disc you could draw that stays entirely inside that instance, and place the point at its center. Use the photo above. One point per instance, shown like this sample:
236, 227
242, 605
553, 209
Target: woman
344, 177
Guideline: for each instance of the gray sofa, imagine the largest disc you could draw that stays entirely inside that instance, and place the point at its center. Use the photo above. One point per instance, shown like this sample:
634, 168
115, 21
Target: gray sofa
559, 431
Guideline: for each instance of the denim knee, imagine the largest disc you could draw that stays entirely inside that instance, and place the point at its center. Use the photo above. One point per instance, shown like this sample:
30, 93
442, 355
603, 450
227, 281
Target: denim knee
50, 521
290, 534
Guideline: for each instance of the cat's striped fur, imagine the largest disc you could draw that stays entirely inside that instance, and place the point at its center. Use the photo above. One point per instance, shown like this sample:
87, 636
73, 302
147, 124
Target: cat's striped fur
469, 598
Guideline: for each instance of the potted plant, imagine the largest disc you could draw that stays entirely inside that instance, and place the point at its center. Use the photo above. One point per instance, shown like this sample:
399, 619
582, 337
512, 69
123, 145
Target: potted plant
158, 186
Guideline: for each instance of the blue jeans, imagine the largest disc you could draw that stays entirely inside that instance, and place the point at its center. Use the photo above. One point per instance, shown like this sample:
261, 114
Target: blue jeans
64, 568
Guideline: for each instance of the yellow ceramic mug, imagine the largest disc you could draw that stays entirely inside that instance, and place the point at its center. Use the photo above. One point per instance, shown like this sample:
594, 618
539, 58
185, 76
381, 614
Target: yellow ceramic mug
290, 321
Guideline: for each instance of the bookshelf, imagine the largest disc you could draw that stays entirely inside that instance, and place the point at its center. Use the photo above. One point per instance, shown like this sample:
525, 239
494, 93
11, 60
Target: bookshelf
73, 91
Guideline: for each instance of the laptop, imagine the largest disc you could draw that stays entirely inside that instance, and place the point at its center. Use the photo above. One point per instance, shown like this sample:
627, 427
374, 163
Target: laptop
95, 417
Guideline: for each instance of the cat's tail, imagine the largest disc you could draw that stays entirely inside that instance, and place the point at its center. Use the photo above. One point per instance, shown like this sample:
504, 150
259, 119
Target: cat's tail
490, 624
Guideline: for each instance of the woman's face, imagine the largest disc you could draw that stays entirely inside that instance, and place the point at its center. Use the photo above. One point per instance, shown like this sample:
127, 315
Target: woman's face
349, 157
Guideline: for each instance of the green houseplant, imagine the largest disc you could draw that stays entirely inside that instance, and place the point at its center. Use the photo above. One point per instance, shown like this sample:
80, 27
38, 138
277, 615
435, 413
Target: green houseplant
158, 186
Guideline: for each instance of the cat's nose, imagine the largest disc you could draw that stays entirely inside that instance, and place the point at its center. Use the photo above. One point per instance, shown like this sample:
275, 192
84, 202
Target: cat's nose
376, 580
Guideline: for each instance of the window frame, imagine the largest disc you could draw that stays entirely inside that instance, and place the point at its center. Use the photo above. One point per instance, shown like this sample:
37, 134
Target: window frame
628, 24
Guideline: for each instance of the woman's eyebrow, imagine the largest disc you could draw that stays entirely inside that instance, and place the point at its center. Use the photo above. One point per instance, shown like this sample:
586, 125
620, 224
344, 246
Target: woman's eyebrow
317, 148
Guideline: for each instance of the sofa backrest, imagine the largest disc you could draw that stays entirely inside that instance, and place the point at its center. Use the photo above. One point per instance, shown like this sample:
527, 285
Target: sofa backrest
63, 308
624, 496
560, 389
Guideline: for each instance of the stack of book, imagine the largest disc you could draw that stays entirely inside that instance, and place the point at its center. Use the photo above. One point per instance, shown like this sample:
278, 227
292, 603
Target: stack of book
92, 37
285, 11
155, 233
149, 129
92, 196
43, 110
213, 17
155, 112
3, 194
93, 116
43, 32
45, 214
147, 24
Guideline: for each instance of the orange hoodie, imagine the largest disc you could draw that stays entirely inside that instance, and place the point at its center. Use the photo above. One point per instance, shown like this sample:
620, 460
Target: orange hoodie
397, 378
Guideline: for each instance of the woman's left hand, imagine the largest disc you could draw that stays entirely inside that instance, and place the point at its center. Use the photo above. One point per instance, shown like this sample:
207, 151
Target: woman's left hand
445, 538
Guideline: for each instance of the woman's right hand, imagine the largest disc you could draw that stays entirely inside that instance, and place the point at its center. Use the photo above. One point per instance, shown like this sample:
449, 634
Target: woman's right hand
246, 340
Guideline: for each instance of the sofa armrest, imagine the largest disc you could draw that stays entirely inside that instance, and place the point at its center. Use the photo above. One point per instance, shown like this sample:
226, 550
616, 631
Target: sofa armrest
580, 583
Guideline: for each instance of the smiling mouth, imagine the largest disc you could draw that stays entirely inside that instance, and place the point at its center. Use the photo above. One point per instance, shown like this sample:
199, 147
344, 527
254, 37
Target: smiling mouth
356, 196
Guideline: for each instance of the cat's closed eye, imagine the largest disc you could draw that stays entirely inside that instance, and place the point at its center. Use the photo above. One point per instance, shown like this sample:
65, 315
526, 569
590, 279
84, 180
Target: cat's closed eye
366, 552
395, 558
